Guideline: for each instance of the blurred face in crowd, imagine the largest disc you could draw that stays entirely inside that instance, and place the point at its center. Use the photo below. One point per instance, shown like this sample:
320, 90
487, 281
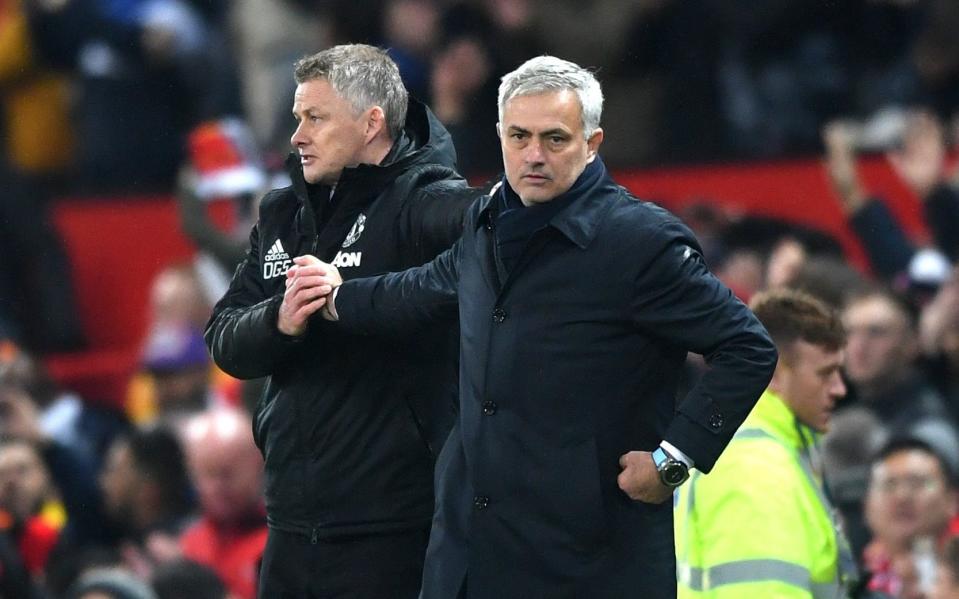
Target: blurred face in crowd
329, 135
24, 480
119, 483
908, 498
544, 149
809, 381
881, 346
225, 465
947, 585
182, 391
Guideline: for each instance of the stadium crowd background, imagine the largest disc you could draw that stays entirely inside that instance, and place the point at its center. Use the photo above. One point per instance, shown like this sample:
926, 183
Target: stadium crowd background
163, 121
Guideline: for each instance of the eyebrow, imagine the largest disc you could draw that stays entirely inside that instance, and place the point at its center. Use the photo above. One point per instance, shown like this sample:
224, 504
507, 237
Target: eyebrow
553, 131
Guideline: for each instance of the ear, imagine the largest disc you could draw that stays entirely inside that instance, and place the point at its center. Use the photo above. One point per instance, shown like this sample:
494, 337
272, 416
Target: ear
593, 143
499, 130
375, 123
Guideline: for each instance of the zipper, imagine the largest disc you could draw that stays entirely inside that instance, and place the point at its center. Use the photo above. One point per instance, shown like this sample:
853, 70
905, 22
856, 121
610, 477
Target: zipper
313, 536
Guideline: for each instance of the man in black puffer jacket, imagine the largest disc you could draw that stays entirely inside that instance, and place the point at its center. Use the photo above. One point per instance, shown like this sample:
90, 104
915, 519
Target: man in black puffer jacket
349, 425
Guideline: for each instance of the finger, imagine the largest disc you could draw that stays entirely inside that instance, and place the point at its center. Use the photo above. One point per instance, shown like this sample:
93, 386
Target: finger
623, 481
307, 260
306, 282
305, 296
624, 460
309, 309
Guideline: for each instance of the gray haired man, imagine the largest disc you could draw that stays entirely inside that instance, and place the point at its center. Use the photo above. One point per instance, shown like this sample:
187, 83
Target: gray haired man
349, 425
577, 306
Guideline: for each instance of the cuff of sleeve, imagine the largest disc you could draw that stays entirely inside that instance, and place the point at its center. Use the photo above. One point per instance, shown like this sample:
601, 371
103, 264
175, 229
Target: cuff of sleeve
701, 444
676, 453
331, 305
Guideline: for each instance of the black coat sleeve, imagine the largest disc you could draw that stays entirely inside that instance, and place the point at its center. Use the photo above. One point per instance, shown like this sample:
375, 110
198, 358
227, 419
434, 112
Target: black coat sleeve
401, 301
242, 333
942, 216
679, 301
886, 245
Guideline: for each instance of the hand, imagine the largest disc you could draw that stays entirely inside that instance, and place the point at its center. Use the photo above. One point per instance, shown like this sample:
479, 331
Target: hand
841, 165
640, 479
308, 282
921, 160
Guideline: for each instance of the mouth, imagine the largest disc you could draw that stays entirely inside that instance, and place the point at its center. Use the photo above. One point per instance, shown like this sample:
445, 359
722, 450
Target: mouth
535, 178
306, 158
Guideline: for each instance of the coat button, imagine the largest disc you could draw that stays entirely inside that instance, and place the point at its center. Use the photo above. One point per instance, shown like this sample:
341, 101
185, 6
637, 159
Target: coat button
499, 315
481, 502
716, 420
489, 408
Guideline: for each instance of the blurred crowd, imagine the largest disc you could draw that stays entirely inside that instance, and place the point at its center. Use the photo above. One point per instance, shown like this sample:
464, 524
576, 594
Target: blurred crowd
162, 496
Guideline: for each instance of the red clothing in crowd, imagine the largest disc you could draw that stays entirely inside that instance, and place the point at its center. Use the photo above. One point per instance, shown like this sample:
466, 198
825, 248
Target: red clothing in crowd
232, 551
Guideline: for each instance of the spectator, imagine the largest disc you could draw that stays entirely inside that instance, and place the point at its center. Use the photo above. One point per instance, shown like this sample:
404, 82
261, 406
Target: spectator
939, 337
183, 578
78, 426
920, 163
29, 503
881, 367
147, 497
131, 59
176, 359
227, 471
463, 89
73, 474
854, 438
110, 583
910, 500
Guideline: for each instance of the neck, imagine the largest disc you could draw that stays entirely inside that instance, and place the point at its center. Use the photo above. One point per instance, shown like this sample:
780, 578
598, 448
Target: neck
377, 150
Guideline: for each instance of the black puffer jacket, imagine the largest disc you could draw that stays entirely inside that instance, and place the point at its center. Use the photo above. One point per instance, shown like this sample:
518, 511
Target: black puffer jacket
349, 425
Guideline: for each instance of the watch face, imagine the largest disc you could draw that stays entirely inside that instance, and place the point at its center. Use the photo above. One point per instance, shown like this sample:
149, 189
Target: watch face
674, 474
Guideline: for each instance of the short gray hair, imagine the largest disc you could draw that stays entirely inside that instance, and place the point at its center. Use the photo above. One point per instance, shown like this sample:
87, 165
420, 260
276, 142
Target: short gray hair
545, 74
364, 76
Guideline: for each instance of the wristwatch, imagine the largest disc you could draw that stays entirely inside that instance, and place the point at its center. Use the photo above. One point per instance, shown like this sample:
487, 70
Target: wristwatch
672, 472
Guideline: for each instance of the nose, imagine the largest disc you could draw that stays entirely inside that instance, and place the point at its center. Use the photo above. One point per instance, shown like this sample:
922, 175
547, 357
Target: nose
837, 387
534, 152
298, 139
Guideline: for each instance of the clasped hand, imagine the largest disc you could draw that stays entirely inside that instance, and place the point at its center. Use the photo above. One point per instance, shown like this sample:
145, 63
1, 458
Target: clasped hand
309, 283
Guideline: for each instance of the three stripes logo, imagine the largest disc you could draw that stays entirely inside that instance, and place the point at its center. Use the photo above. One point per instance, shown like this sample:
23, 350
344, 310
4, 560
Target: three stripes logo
276, 262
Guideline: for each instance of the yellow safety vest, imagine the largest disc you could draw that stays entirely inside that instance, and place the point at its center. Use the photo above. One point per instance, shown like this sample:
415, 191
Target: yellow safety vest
760, 525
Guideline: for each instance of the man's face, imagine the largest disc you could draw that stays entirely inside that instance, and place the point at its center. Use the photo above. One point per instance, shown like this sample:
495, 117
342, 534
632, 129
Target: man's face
808, 379
228, 475
881, 346
329, 136
544, 150
24, 482
908, 497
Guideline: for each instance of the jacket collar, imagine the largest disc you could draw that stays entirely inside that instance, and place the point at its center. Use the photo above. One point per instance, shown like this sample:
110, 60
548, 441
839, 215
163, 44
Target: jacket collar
423, 140
580, 219
773, 415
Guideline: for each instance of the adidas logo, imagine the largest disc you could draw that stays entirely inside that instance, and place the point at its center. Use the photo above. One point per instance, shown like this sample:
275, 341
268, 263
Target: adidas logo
276, 262
276, 252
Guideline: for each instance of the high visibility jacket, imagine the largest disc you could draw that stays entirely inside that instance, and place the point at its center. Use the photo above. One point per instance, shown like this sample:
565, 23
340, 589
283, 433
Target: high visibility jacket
759, 525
